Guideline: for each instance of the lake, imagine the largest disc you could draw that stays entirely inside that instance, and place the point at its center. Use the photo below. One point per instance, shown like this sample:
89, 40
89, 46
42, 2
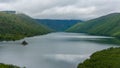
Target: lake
54, 50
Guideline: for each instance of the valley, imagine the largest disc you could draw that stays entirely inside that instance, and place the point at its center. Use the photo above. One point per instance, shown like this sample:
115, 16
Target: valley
70, 44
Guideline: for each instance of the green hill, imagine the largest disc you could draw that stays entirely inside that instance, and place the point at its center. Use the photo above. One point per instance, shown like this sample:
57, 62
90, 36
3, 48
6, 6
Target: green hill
8, 66
106, 25
108, 58
18, 26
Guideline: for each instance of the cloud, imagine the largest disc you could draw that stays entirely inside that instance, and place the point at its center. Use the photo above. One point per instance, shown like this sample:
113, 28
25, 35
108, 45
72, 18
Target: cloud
62, 9
66, 12
5, 7
4, 1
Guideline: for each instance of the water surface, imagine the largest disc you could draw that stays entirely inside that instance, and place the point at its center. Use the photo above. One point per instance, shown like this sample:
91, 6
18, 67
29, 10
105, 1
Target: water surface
54, 50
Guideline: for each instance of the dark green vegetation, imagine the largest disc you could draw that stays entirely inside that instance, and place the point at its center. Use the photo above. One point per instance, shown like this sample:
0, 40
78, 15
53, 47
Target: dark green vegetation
18, 26
8, 66
58, 25
108, 58
108, 25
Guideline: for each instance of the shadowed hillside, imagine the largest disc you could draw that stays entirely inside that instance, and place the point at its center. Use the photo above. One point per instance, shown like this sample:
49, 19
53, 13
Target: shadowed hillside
58, 25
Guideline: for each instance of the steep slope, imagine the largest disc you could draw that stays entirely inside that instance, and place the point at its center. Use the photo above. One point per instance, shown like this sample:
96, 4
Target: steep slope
108, 58
58, 25
18, 26
105, 25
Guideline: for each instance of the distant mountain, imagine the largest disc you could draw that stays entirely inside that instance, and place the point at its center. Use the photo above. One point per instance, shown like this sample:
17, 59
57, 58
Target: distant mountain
105, 25
18, 26
58, 25
12, 12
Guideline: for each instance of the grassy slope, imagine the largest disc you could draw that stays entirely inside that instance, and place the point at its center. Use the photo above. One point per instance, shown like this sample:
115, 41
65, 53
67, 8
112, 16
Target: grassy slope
18, 26
108, 58
8, 66
105, 25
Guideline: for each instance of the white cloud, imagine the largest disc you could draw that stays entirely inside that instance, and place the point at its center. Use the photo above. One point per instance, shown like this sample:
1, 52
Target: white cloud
66, 12
60, 9
5, 7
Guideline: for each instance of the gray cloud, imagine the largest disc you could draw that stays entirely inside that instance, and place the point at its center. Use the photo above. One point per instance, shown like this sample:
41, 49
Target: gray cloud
62, 9
6, 1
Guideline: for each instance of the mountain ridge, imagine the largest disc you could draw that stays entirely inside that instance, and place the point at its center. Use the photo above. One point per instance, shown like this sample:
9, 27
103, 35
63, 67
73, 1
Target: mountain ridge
18, 26
106, 25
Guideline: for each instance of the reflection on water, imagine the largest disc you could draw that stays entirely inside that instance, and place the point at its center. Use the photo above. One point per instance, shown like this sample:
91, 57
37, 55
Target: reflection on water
55, 50
107, 40
114, 41
95, 39
65, 57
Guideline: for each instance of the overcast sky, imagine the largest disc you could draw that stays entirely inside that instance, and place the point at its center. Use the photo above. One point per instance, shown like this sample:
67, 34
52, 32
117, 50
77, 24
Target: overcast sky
62, 9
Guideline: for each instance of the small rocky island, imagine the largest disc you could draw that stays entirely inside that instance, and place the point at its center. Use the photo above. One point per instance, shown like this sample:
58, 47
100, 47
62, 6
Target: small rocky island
24, 43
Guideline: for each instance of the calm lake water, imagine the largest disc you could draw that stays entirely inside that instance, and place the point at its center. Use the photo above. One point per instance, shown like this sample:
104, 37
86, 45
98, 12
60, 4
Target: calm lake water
54, 50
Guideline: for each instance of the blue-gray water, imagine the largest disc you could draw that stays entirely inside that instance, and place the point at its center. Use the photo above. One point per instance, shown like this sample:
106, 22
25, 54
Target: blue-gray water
54, 50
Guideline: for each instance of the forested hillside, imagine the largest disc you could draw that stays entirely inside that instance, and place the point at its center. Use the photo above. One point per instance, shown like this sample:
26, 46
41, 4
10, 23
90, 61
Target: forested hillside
58, 25
105, 25
108, 58
8, 66
18, 26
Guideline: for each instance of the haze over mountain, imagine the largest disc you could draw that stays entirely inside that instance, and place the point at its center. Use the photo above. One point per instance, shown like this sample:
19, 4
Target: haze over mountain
58, 25
105, 25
